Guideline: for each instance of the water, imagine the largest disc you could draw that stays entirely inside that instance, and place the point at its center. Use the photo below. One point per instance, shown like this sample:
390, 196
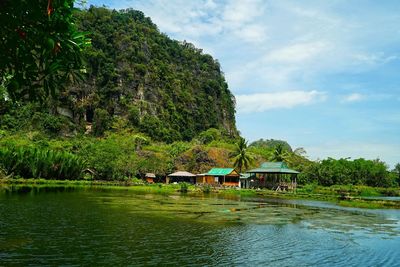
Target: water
384, 198
120, 227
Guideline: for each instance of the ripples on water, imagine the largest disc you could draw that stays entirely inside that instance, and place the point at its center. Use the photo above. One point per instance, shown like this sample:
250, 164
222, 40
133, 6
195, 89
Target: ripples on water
116, 227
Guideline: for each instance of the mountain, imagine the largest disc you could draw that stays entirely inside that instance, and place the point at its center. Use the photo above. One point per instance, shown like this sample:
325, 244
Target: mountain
167, 89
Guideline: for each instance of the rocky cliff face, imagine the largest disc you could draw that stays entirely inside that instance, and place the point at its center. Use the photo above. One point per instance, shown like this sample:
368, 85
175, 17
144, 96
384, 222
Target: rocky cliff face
167, 89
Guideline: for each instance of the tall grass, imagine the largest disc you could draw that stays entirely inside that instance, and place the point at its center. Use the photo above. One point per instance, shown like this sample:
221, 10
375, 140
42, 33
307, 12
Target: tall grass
34, 162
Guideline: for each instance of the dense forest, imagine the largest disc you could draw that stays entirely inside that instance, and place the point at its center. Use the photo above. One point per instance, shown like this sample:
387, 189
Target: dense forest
139, 78
167, 89
146, 103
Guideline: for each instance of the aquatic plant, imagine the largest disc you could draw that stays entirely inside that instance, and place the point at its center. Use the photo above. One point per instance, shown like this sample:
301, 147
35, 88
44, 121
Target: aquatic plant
207, 189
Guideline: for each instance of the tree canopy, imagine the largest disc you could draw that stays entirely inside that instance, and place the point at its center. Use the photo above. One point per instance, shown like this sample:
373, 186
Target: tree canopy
40, 47
242, 158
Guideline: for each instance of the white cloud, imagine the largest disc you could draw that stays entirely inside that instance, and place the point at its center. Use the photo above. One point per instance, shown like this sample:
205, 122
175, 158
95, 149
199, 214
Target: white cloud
357, 97
373, 59
210, 4
252, 33
266, 101
354, 97
239, 12
297, 53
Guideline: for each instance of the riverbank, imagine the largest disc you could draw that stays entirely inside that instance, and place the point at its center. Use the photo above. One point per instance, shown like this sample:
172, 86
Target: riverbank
348, 196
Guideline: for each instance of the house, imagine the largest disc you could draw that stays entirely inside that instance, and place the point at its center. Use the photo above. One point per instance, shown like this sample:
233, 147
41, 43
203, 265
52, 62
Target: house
181, 176
219, 176
273, 175
149, 177
246, 180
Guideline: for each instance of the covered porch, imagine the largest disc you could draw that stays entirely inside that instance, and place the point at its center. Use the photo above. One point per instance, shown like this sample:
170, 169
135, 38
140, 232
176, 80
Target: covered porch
273, 175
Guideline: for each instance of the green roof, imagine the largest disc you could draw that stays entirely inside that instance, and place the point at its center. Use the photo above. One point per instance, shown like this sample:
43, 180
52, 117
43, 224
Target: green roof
220, 171
273, 167
245, 175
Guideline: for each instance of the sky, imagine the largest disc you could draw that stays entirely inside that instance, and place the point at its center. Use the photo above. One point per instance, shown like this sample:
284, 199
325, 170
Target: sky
322, 75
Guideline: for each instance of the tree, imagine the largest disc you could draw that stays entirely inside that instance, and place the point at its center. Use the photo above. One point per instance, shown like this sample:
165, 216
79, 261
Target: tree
210, 135
101, 121
40, 47
279, 153
397, 170
300, 151
271, 144
242, 158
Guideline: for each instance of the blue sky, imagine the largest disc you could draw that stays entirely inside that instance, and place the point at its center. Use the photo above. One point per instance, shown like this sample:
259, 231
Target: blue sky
323, 75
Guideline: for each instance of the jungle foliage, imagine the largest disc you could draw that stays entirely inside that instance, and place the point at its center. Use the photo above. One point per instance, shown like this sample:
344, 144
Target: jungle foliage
167, 89
135, 76
128, 155
348, 172
40, 48
35, 162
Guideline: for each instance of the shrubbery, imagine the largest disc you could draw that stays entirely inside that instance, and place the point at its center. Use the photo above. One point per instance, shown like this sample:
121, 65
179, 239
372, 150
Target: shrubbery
35, 162
343, 172
125, 155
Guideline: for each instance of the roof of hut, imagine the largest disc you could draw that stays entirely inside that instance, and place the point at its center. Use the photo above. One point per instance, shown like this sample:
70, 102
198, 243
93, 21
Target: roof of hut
221, 171
245, 175
150, 175
182, 174
273, 167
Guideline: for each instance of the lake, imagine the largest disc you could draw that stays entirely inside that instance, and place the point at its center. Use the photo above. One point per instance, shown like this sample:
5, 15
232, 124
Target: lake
89, 226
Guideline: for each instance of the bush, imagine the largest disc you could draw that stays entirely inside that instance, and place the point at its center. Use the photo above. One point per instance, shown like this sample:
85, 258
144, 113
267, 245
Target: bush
210, 135
330, 172
2, 173
49, 123
134, 115
34, 162
310, 188
184, 187
101, 121
207, 188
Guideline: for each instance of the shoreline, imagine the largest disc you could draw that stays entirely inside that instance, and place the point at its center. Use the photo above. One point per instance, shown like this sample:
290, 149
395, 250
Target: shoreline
347, 200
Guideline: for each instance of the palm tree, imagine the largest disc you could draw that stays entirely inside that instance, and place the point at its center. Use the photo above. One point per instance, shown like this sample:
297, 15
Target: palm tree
241, 156
279, 153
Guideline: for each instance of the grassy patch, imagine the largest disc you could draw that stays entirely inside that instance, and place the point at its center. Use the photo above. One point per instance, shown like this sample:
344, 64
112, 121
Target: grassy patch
370, 204
311, 192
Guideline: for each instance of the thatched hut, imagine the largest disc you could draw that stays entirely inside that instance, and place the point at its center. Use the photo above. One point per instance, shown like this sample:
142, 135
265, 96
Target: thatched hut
181, 176
149, 177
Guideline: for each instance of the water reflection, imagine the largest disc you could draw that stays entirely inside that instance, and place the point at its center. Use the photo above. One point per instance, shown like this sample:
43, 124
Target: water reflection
104, 227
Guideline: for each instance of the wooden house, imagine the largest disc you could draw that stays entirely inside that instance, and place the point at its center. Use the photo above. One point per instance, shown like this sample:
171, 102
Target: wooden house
219, 176
273, 175
149, 177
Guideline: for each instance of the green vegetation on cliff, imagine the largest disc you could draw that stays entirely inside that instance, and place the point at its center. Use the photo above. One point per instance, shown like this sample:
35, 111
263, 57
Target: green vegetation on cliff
167, 89
136, 78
